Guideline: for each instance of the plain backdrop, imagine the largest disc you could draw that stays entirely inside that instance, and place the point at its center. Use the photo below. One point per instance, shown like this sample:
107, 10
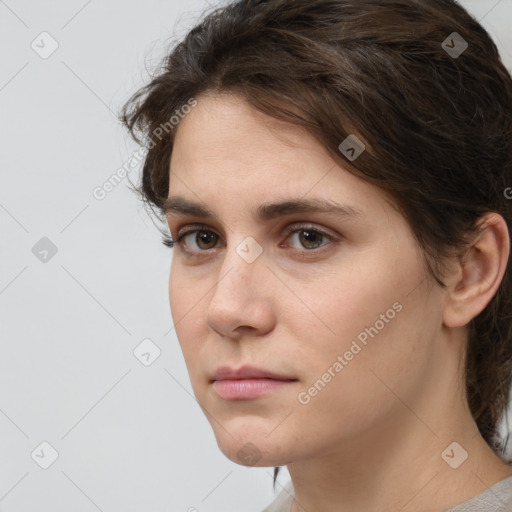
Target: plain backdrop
86, 422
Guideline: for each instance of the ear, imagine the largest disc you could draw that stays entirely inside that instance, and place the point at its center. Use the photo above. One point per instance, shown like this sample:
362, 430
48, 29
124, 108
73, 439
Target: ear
478, 275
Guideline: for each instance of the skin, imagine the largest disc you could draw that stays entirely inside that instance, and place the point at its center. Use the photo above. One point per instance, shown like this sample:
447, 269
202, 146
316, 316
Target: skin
372, 438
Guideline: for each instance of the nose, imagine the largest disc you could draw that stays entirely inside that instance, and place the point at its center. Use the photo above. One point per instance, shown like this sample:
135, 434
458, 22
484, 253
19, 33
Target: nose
242, 297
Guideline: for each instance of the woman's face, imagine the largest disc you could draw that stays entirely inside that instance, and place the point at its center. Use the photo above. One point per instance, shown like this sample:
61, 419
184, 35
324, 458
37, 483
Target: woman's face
336, 301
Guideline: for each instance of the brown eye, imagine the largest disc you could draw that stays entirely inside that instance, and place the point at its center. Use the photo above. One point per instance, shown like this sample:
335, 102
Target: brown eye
204, 240
310, 239
196, 241
205, 237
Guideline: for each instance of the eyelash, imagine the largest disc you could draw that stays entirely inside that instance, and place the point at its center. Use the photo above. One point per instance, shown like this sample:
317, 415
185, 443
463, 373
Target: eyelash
171, 243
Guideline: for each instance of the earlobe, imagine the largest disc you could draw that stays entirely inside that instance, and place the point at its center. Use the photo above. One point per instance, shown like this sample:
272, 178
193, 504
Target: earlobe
479, 273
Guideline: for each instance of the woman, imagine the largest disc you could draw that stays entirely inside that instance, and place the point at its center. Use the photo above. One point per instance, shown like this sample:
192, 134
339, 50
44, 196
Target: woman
334, 176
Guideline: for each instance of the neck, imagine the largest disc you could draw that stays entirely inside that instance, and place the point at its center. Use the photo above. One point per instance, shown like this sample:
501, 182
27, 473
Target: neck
399, 465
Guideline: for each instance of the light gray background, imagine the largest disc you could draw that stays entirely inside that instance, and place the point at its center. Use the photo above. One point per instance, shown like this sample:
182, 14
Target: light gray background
129, 437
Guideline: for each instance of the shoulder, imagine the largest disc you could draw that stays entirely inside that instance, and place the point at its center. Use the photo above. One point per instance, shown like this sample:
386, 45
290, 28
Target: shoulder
497, 498
283, 501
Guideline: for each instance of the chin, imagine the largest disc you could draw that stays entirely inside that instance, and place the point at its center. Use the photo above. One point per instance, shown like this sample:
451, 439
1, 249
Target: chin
251, 455
249, 444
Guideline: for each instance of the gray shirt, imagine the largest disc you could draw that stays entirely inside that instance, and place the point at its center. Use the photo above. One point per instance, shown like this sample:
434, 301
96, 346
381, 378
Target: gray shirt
498, 498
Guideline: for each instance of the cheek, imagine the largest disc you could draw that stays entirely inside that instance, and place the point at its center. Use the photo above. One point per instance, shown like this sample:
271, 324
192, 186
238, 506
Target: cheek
337, 308
175, 285
372, 387
186, 294
185, 304
365, 320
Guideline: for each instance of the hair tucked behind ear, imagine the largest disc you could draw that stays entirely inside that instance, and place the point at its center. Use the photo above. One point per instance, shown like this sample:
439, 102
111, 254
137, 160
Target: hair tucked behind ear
437, 126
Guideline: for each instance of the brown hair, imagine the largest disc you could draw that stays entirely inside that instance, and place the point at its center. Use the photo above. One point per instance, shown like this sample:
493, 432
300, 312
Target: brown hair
437, 126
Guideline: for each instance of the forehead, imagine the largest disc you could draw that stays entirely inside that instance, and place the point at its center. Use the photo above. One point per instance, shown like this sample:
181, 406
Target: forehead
226, 126
226, 150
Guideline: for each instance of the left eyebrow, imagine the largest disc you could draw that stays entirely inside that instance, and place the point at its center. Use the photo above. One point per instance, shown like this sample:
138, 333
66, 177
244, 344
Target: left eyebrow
269, 211
266, 211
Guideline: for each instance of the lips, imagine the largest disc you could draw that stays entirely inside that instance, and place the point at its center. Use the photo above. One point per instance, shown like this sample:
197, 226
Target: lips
247, 372
248, 382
